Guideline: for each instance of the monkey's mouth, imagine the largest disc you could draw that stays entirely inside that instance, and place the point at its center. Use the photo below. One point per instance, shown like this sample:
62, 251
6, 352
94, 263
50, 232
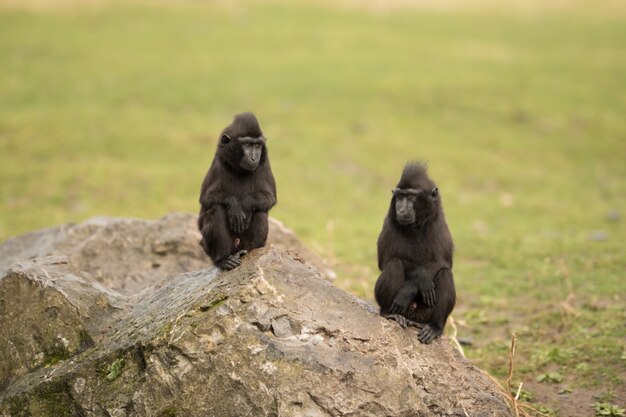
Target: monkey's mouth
406, 220
249, 166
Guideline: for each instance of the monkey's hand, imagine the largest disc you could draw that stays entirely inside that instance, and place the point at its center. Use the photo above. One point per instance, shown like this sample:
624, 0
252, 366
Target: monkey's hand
427, 289
236, 219
401, 303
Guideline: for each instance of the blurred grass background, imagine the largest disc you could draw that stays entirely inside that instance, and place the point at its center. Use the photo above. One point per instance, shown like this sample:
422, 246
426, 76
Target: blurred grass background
115, 109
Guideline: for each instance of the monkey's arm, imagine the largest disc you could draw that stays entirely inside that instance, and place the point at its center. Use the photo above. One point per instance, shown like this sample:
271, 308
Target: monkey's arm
424, 279
213, 194
404, 298
425, 283
234, 211
259, 201
384, 253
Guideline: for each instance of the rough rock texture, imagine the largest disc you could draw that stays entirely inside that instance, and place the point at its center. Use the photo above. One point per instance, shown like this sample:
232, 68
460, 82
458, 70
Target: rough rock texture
270, 338
50, 312
126, 255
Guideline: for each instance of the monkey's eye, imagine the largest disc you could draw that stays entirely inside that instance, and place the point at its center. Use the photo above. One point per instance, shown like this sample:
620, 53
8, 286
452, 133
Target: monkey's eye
434, 193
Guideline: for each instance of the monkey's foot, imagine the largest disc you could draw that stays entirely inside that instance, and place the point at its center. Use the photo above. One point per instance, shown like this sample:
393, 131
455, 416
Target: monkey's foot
427, 333
230, 262
401, 320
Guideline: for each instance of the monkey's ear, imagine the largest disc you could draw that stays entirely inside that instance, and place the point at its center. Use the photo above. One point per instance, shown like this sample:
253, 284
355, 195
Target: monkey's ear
434, 193
225, 139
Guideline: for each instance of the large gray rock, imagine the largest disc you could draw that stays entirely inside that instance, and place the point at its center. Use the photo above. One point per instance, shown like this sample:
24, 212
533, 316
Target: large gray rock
270, 338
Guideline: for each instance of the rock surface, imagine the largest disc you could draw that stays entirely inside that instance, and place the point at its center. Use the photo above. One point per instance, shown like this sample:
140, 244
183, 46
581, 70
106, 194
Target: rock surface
270, 338
126, 255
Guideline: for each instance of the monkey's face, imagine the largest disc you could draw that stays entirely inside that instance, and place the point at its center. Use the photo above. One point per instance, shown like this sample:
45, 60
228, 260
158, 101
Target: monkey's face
245, 152
405, 206
415, 205
252, 152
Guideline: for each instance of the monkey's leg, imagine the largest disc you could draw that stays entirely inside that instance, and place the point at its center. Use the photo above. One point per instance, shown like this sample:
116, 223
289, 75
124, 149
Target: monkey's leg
255, 235
231, 261
390, 282
446, 297
217, 240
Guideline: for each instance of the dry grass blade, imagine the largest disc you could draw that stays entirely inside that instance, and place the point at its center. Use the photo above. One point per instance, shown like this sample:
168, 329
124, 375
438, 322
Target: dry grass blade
510, 376
506, 393
455, 341
519, 391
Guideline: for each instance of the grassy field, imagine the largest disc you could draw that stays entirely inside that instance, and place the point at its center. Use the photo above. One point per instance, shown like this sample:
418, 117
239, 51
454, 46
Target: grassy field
115, 110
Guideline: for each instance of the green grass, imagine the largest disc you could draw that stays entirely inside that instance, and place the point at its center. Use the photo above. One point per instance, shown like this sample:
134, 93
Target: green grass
116, 111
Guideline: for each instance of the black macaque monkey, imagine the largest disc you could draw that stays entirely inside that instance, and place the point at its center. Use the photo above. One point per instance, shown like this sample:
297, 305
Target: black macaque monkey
415, 247
237, 193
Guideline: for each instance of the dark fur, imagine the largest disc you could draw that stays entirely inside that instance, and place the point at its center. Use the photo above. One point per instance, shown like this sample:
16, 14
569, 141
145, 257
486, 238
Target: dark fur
231, 194
413, 257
